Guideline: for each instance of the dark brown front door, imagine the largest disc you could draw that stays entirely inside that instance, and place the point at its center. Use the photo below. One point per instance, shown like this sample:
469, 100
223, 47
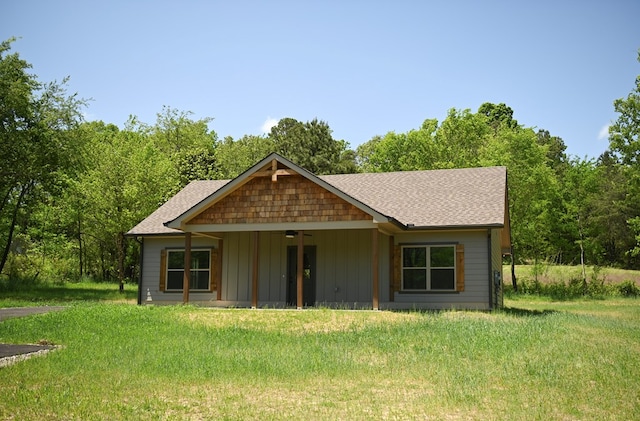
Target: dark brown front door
308, 276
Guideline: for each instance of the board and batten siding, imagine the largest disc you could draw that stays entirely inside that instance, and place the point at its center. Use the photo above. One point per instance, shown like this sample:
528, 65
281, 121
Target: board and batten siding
476, 270
343, 267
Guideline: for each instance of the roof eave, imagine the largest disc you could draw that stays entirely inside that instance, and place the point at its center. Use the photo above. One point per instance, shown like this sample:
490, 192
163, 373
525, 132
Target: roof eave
410, 227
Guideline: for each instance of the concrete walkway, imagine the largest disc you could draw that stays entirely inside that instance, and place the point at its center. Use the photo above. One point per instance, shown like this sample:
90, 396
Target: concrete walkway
10, 353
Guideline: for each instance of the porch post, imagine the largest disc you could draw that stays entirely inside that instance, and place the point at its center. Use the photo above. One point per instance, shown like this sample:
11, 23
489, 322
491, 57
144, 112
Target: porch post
219, 269
187, 267
374, 267
254, 270
300, 269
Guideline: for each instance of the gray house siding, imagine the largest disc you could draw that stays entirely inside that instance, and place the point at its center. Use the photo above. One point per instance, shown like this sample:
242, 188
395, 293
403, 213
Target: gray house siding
476, 269
344, 276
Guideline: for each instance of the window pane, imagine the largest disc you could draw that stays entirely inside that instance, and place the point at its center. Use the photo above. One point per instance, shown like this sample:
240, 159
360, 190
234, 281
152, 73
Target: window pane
414, 278
414, 257
176, 259
442, 279
175, 279
199, 279
200, 259
442, 257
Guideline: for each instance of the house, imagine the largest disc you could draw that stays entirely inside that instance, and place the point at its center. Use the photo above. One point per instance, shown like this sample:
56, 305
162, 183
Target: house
279, 236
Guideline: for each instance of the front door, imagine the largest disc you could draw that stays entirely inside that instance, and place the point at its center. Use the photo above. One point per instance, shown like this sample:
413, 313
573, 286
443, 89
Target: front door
308, 276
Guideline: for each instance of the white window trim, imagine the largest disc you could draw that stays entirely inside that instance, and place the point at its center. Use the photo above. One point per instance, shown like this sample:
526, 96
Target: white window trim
168, 270
428, 267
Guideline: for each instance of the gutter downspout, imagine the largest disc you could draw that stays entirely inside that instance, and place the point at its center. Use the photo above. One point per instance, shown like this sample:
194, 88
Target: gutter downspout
141, 242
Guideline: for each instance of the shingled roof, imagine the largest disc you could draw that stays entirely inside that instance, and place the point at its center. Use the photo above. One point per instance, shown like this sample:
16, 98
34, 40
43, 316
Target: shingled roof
456, 198
432, 199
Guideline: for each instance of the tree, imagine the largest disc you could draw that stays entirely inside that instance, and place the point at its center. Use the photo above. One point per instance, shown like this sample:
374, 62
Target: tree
498, 115
414, 150
127, 177
460, 139
624, 138
234, 157
311, 146
37, 121
532, 187
580, 188
190, 144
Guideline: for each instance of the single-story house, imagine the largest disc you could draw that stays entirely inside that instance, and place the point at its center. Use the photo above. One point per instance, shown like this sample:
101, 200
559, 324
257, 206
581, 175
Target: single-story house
279, 236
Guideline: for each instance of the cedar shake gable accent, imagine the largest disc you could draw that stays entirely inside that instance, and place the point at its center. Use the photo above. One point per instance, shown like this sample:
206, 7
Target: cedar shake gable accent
290, 199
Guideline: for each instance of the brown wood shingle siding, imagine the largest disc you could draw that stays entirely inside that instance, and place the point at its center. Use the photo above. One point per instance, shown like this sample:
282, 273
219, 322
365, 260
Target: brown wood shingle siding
290, 199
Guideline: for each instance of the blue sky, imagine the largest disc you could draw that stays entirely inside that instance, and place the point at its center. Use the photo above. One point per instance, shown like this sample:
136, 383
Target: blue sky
364, 67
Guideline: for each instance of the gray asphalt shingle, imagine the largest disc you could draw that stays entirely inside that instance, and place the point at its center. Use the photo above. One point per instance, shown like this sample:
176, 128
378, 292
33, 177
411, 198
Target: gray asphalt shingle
436, 198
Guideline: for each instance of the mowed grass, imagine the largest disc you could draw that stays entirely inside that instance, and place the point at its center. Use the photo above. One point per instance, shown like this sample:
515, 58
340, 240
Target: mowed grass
69, 292
534, 360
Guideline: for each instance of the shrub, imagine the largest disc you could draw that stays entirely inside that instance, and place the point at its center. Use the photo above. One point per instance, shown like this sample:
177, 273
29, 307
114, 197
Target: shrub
628, 289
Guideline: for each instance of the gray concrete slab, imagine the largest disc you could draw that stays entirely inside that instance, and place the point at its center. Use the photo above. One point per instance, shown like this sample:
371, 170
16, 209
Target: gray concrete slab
9, 312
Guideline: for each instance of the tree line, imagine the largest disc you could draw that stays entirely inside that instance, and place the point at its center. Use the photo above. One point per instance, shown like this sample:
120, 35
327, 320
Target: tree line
70, 189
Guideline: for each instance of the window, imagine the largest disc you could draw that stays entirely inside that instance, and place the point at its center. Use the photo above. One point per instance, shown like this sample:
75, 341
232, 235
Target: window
200, 270
429, 268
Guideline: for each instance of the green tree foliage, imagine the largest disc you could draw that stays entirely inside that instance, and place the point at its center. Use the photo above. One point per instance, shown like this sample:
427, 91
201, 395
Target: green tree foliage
234, 157
39, 149
460, 139
532, 189
414, 150
624, 138
498, 115
190, 145
312, 146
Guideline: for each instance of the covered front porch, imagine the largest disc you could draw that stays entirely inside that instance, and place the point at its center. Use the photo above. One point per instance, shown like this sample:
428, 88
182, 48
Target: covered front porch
293, 268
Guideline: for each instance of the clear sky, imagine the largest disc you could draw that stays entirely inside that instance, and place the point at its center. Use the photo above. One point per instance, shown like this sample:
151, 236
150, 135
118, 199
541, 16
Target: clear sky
364, 67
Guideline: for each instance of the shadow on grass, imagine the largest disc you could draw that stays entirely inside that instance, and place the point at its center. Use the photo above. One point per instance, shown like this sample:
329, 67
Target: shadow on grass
525, 312
62, 293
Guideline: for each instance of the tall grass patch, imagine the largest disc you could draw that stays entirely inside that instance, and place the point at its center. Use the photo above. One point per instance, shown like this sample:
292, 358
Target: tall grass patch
534, 360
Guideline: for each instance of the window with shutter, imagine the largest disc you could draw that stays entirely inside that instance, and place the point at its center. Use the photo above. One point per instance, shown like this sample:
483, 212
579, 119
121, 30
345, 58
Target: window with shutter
434, 268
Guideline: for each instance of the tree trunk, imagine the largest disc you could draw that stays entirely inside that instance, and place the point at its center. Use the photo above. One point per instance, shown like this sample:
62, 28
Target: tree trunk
584, 271
80, 251
120, 244
513, 271
14, 218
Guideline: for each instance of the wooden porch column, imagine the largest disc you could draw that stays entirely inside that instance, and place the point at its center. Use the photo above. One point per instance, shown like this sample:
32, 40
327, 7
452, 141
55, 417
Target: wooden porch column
254, 270
187, 267
300, 269
219, 269
374, 268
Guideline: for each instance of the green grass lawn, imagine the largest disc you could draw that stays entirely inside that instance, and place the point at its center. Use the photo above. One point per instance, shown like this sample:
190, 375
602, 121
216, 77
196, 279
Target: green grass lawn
57, 294
535, 360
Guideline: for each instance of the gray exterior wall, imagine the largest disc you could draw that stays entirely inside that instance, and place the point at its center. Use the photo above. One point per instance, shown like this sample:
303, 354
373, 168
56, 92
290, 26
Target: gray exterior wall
151, 270
343, 269
496, 263
476, 269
